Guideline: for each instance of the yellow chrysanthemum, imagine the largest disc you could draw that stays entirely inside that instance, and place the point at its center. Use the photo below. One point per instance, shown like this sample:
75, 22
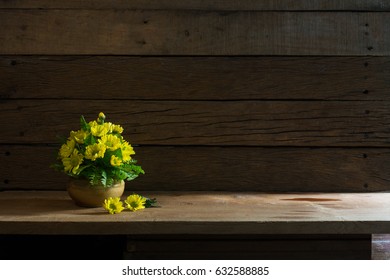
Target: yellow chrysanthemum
113, 205
115, 161
127, 151
72, 163
95, 151
79, 136
98, 130
67, 149
113, 128
116, 128
108, 126
93, 124
111, 142
135, 202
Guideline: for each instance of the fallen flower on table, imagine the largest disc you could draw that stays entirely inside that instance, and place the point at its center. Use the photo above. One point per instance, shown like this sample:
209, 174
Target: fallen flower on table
133, 202
113, 205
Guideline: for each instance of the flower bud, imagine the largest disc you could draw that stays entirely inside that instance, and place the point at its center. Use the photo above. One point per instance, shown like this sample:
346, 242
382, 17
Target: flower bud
101, 118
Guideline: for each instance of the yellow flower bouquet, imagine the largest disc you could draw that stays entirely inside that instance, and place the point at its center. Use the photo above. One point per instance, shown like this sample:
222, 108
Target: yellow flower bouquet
100, 160
99, 153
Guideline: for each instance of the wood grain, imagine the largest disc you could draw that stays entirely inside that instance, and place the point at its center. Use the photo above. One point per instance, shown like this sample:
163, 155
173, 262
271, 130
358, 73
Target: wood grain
372, 5
141, 32
217, 168
200, 213
264, 123
194, 78
381, 247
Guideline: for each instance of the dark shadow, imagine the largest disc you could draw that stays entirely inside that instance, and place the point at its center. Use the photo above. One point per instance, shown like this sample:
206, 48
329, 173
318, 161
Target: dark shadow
62, 247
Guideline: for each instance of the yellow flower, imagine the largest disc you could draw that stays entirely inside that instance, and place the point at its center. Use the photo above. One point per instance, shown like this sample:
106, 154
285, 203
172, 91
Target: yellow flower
113, 127
116, 128
108, 126
135, 202
111, 142
98, 130
72, 163
93, 123
95, 151
115, 161
127, 151
67, 149
79, 136
102, 116
113, 205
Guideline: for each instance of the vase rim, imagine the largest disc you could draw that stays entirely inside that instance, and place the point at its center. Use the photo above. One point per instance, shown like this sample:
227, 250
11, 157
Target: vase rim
85, 182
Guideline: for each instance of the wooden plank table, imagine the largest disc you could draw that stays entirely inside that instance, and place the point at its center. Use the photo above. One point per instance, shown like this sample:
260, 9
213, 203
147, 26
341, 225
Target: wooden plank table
52, 212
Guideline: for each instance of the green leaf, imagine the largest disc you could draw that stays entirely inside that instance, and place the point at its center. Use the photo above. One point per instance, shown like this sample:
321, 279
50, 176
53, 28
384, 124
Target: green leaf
138, 169
92, 178
103, 178
132, 168
130, 176
150, 202
81, 169
84, 125
90, 140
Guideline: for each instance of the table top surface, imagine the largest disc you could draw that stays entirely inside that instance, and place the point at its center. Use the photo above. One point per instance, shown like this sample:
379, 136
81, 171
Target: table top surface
53, 212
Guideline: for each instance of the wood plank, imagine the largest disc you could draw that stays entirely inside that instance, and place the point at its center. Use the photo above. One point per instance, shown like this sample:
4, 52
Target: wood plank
140, 32
216, 168
381, 247
201, 213
372, 5
195, 78
264, 123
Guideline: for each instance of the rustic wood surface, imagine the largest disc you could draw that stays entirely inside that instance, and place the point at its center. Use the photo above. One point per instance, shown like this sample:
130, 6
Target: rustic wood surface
381, 246
201, 213
143, 32
269, 80
218, 168
269, 96
372, 5
194, 78
265, 123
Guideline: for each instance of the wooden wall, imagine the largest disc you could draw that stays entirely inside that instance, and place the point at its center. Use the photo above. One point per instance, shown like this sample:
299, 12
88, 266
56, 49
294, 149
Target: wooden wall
269, 95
